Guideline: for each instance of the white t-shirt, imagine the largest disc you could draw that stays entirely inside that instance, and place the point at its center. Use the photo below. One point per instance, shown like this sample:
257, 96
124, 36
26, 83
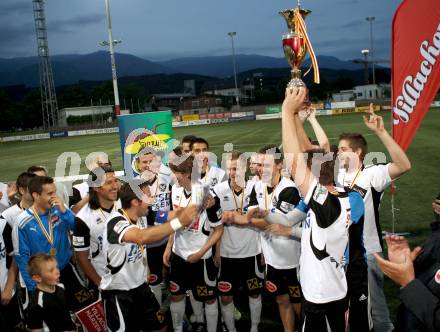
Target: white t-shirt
280, 252
6, 249
126, 266
324, 242
236, 241
189, 240
88, 234
370, 182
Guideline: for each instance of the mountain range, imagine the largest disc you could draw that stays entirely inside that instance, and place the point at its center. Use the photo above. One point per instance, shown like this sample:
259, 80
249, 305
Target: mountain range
73, 68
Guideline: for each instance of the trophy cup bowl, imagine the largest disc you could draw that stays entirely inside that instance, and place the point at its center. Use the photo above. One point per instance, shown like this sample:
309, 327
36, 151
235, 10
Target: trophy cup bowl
294, 46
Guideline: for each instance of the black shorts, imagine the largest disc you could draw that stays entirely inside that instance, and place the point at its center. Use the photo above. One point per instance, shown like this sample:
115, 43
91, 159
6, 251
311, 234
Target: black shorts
12, 316
199, 277
359, 316
155, 264
317, 316
133, 310
78, 295
245, 272
281, 282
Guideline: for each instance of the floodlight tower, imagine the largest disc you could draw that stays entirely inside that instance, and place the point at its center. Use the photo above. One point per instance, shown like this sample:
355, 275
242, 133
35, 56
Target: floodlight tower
49, 104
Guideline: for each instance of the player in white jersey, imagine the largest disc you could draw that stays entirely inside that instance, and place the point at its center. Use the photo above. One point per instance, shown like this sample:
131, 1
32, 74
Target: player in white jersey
209, 174
239, 250
10, 319
128, 301
191, 266
324, 241
370, 181
90, 223
279, 194
80, 191
10, 215
159, 179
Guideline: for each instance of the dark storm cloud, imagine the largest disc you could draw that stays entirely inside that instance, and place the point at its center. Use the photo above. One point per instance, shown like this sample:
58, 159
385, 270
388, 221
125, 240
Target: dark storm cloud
68, 25
15, 8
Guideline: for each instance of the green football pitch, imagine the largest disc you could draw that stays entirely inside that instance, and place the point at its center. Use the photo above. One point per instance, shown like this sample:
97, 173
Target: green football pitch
414, 192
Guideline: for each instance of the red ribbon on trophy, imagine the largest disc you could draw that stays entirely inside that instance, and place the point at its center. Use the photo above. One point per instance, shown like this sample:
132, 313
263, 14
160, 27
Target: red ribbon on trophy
301, 26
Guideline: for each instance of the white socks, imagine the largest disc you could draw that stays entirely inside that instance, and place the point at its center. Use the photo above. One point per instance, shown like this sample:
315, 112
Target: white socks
228, 316
255, 309
211, 312
177, 312
157, 291
197, 307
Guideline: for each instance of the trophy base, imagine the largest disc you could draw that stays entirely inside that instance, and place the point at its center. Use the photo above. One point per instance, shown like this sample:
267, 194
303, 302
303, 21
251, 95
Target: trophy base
296, 83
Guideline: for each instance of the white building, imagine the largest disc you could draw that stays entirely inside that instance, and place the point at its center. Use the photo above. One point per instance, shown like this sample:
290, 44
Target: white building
99, 113
343, 95
371, 91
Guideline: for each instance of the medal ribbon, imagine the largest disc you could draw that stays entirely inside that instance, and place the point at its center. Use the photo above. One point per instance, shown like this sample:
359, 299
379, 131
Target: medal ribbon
48, 235
235, 201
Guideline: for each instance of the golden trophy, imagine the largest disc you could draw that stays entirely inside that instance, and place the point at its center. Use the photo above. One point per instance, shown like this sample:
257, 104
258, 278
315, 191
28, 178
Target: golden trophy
296, 43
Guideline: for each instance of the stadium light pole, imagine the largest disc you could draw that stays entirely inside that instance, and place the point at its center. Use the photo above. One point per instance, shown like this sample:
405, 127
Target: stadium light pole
237, 98
112, 58
371, 19
365, 52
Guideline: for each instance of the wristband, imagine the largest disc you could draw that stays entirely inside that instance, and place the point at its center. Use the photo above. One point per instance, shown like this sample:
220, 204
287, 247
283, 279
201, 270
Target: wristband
175, 224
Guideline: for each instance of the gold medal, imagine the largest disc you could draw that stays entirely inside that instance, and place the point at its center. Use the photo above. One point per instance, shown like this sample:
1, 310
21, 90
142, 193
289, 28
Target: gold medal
53, 251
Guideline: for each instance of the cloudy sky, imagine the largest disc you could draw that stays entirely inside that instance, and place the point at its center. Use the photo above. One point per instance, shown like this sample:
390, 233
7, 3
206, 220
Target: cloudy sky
164, 29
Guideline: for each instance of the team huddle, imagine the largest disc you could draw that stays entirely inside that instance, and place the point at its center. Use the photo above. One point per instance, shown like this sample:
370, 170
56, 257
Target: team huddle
299, 226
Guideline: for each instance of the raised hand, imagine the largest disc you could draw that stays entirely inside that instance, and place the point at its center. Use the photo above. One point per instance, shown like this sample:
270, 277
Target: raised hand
373, 121
294, 100
188, 214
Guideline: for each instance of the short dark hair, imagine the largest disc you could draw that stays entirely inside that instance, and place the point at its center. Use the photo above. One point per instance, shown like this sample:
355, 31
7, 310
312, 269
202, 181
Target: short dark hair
327, 171
35, 168
235, 154
23, 179
36, 184
188, 139
177, 165
273, 150
356, 141
126, 193
199, 140
93, 176
34, 263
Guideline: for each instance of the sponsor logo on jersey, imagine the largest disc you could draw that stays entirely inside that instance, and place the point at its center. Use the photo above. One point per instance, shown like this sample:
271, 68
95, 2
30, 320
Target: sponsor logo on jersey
294, 291
99, 220
271, 287
224, 286
78, 241
363, 297
260, 195
214, 182
274, 201
153, 278
120, 225
226, 199
287, 206
253, 284
437, 277
320, 194
202, 290
174, 287
162, 187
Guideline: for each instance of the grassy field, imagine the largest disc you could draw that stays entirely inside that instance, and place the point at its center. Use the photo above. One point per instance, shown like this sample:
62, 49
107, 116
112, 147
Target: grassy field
414, 192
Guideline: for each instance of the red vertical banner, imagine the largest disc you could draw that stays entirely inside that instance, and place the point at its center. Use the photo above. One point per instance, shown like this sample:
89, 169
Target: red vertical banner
415, 65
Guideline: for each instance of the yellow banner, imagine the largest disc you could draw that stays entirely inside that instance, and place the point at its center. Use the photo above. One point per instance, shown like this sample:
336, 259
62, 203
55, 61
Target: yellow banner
190, 117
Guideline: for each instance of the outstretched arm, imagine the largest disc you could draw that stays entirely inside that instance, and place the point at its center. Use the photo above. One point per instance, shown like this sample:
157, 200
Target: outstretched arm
320, 134
291, 136
400, 163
